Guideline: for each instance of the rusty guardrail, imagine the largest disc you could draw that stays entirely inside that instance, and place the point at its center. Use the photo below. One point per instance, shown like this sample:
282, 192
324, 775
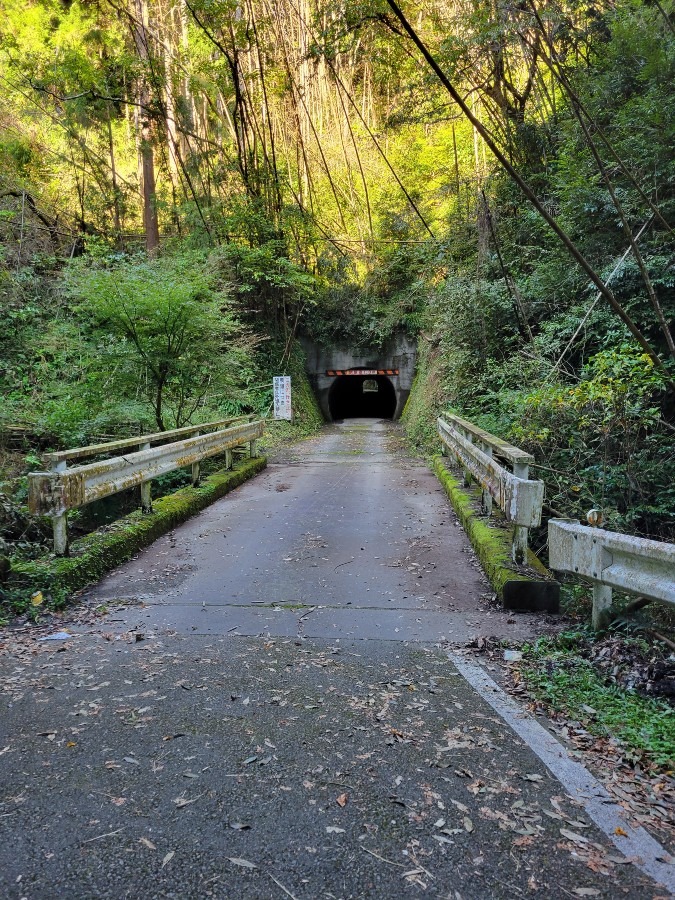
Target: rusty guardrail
479, 452
611, 560
61, 489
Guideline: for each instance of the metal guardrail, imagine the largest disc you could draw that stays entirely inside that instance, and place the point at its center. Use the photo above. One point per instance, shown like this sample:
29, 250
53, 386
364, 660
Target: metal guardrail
612, 560
140, 441
53, 493
478, 453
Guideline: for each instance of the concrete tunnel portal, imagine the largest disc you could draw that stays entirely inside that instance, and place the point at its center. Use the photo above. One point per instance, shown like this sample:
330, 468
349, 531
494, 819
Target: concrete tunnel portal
352, 383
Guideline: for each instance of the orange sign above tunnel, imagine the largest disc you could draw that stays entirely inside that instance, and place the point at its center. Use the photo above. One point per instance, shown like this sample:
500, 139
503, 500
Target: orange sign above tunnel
333, 372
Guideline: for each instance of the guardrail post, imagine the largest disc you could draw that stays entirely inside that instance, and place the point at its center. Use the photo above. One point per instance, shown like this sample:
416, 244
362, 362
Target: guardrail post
486, 497
602, 600
60, 522
253, 450
444, 449
228, 459
146, 487
467, 474
519, 547
195, 467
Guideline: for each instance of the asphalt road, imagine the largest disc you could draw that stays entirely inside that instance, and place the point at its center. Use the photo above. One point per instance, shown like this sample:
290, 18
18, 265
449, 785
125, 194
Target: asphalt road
262, 705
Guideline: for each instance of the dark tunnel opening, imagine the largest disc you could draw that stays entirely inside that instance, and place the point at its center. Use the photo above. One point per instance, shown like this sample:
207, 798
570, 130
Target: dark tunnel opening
362, 396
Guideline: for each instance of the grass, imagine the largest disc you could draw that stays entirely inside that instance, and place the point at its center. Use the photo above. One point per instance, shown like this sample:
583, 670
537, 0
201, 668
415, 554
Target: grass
556, 672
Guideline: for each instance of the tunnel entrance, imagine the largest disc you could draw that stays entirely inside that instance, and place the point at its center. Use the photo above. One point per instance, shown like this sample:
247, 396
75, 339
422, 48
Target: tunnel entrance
362, 396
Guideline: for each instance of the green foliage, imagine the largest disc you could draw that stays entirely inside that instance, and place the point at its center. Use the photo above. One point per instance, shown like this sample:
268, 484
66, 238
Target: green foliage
604, 440
515, 341
557, 672
87, 356
267, 282
392, 296
168, 325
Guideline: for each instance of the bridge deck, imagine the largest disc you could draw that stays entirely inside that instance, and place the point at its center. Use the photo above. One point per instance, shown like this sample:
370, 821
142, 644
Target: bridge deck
346, 537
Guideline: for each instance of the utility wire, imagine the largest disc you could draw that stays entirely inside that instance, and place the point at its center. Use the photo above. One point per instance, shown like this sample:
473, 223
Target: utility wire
570, 246
597, 298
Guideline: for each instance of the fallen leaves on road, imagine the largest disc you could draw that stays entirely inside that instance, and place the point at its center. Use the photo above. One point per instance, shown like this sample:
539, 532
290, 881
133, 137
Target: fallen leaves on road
572, 836
371, 723
184, 801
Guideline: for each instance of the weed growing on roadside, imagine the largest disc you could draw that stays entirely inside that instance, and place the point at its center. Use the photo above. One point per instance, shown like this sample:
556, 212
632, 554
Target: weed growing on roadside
556, 672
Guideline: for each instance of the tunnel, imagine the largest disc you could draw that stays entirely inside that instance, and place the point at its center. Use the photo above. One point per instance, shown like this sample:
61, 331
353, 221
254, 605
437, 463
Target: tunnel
362, 396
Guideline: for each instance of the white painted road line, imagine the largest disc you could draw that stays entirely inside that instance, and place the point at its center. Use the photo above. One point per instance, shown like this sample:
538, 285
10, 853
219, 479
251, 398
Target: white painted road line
639, 846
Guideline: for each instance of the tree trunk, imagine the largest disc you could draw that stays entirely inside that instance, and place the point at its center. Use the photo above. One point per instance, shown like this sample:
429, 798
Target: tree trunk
147, 159
113, 171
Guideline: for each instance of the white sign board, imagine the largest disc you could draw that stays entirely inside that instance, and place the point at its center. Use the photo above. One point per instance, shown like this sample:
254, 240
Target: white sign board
282, 397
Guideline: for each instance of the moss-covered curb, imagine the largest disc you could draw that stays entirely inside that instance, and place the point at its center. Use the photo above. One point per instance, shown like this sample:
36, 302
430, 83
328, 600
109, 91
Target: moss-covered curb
97, 554
529, 587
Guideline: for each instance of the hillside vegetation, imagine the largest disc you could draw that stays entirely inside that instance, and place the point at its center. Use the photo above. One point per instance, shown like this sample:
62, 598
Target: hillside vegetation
186, 185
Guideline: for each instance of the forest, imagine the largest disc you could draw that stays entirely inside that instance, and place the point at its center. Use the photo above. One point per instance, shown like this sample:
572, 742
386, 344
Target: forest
187, 186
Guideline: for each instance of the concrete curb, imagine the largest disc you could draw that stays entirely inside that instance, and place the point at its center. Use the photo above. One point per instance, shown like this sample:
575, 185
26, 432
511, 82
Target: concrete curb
531, 587
98, 553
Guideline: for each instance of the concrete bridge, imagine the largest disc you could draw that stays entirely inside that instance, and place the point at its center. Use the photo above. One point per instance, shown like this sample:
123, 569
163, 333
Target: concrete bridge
354, 383
274, 699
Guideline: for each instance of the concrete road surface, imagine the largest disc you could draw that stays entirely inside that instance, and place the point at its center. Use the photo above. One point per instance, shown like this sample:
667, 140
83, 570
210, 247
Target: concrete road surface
345, 537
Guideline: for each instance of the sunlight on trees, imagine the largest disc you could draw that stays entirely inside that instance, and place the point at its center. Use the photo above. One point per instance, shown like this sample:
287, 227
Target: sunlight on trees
181, 180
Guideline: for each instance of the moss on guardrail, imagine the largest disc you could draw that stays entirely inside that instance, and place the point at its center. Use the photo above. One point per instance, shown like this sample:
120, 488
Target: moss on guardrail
95, 555
530, 587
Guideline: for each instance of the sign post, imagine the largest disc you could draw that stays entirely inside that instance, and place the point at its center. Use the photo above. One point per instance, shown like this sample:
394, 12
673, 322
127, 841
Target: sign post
282, 397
